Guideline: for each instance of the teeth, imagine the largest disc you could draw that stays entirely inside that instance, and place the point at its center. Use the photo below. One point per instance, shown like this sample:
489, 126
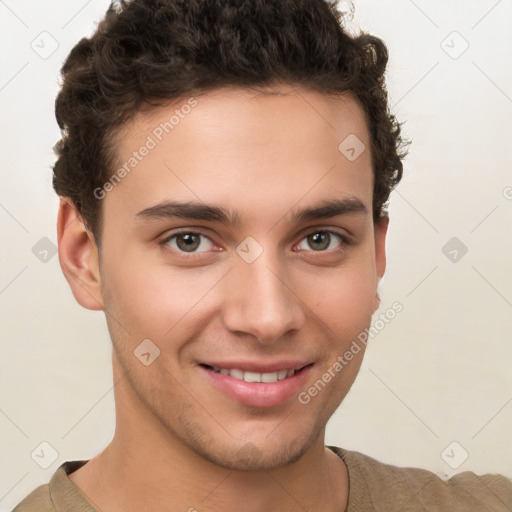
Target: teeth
255, 376
237, 374
252, 377
269, 377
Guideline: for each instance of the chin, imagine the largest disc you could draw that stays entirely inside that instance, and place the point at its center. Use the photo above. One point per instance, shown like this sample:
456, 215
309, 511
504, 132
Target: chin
257, 455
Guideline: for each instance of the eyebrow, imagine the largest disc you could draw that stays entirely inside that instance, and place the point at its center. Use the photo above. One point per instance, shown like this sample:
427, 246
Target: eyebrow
201, 211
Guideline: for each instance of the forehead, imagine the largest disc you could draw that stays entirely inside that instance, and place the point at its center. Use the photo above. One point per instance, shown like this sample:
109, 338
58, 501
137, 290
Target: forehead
244, 148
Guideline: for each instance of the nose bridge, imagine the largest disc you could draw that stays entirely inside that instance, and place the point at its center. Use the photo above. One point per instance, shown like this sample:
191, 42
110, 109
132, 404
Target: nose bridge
260, 302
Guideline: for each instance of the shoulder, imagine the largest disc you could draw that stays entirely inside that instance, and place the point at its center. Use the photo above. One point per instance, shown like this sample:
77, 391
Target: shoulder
378, 486
37, 501
60, 494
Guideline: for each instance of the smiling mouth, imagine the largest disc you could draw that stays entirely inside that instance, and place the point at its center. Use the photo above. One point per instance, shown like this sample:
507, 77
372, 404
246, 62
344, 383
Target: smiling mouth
247, 376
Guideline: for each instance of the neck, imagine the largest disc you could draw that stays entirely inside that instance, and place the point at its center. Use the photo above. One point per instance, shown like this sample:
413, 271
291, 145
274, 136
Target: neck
146, 467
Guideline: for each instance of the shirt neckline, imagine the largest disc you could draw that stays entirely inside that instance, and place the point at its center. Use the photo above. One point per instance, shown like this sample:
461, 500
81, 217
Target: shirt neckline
64, 491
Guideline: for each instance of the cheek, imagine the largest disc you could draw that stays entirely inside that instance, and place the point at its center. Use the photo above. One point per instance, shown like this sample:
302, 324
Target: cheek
342, 297
153, 300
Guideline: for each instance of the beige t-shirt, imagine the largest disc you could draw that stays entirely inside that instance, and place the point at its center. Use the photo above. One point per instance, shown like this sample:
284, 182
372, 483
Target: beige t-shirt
374, 487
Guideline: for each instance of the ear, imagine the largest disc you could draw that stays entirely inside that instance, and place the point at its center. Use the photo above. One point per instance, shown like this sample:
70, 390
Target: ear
381, 229
78, 256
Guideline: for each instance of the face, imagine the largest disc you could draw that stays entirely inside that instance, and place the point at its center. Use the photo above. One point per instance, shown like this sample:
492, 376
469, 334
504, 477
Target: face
242, 244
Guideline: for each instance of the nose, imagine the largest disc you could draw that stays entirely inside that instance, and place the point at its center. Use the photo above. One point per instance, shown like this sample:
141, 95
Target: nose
260, 302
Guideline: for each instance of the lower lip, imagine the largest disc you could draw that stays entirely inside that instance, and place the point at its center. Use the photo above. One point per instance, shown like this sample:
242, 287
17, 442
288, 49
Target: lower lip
258, 394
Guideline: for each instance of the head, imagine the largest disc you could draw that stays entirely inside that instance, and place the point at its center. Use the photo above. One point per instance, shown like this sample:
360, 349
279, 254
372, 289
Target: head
225, 169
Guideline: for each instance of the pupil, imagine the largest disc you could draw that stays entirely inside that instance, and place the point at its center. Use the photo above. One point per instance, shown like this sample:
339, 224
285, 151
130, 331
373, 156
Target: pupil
319, 241
188, 242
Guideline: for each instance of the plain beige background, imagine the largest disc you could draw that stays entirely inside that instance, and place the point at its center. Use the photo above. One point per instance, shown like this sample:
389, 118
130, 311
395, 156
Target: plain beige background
438, 373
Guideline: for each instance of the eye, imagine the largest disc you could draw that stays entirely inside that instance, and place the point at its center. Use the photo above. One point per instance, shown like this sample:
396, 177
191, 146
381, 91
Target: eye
321, 241
189, 242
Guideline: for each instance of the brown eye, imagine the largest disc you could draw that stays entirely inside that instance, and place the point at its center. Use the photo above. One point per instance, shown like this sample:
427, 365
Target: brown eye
321, 241
190, 242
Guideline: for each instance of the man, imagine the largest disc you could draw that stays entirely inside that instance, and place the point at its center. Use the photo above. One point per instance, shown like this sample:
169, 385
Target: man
224, 172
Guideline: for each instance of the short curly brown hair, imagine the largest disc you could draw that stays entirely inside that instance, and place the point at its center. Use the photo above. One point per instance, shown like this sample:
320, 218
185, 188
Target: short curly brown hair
146, 53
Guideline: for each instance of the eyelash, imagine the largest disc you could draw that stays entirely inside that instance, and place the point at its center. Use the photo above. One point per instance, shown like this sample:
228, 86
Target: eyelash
344, 239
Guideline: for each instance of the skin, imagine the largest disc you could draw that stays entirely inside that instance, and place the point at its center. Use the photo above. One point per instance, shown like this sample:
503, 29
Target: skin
180, 442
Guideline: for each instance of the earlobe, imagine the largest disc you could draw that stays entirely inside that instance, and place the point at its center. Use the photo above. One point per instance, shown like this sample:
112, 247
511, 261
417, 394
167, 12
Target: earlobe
381, 228
78, 256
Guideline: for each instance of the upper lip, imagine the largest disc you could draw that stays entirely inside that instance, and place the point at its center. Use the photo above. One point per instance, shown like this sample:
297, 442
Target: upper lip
259, 367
